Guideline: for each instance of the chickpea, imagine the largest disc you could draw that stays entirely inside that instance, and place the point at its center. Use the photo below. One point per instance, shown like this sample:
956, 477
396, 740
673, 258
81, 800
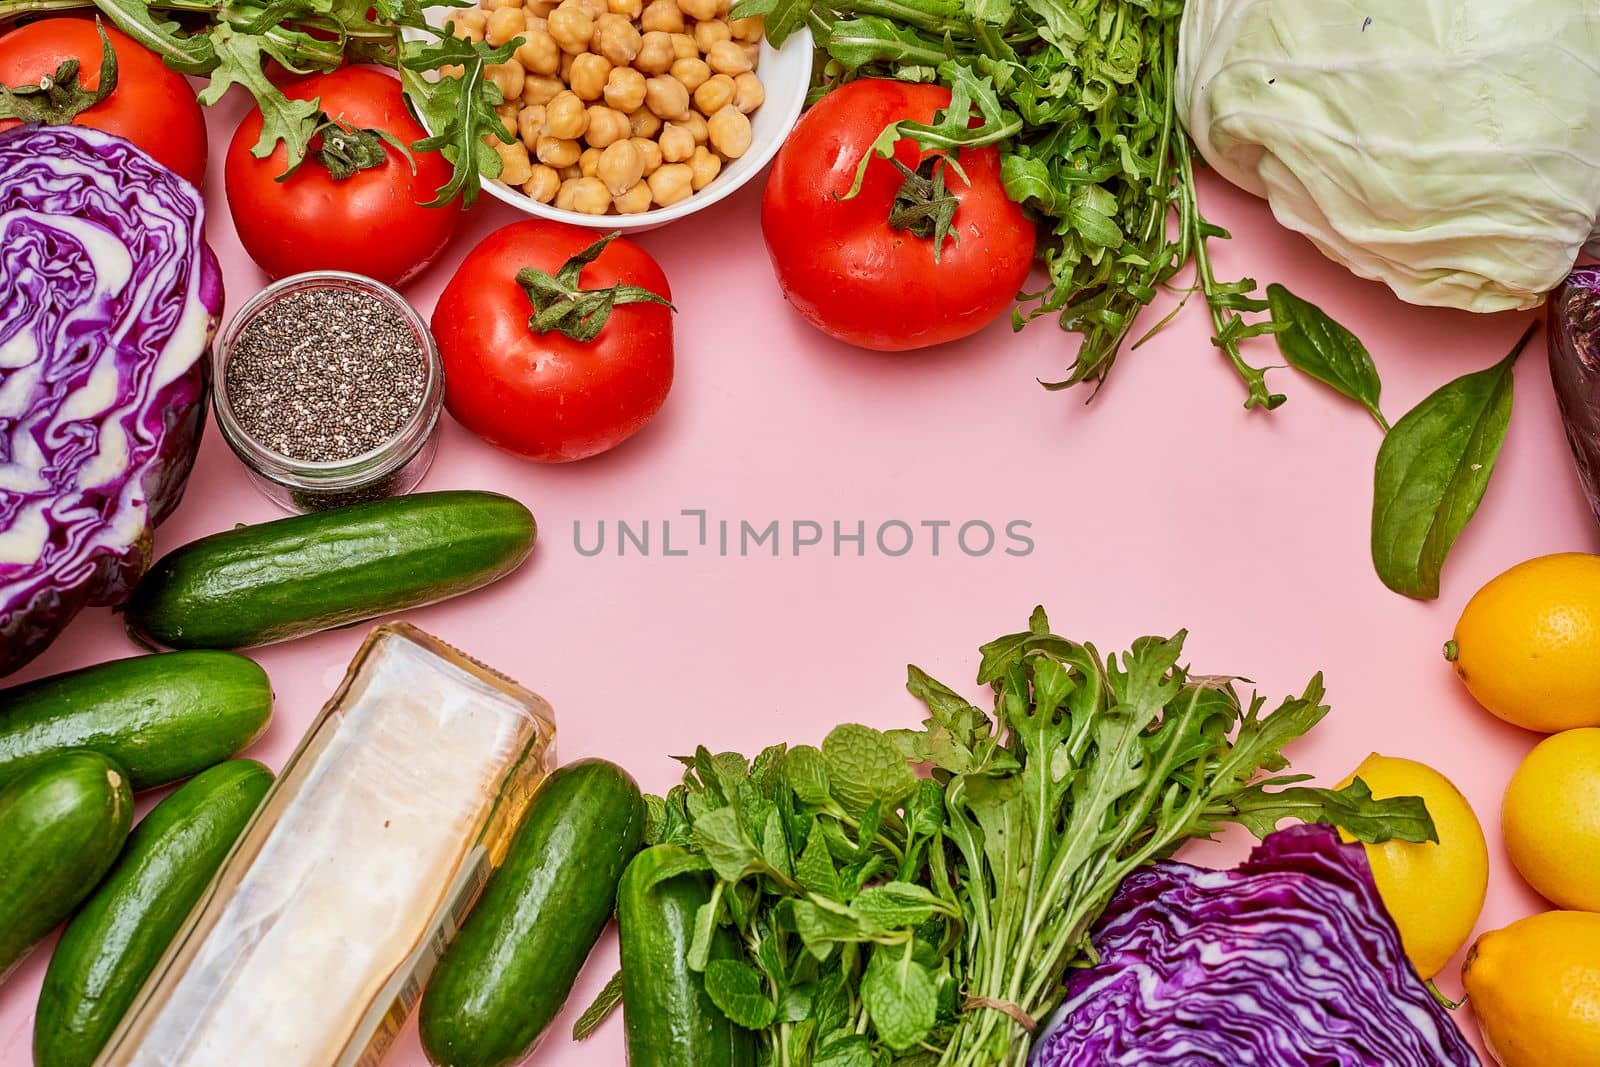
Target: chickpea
508, 116
727, 58
715, 94
634, 201
671, 183
655, 53
704, 166
620, 167
631, 9
543, 184
530, 124
556, 152
730, 132
643, 123
698, 9
691, 72
666, 97
515, 166
750, 29
752, 53
539, 9
707, 34
749, 93
589, 162
625, 89
564, 72
590, 196
677, 144
565, 117
495, 5
540, 89
504, 24
683, 46
571, 27
661, 15
589, 74
649, 153
468, 25
531, 21
617, 39
569, 172
595, 8
539, 53
452, 70
695, 123
566, 193
508, 77
606, 127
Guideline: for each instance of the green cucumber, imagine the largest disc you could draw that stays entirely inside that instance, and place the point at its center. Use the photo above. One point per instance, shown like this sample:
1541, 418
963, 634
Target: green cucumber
116, 939
161, 718
61, 826
510, 968
254, 585
669, 1017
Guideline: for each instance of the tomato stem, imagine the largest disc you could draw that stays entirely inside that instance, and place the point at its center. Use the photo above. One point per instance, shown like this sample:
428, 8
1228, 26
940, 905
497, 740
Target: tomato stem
60, 97
923, 206
346, 150
560, 304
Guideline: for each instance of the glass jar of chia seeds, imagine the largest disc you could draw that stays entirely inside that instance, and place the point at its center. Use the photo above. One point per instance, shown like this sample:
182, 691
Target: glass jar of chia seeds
328, 387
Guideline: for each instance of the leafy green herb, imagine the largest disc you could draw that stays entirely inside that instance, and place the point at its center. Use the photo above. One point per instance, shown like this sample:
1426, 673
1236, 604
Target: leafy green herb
596, 1013
1315, 345
230, 41
1432, 471
888, 918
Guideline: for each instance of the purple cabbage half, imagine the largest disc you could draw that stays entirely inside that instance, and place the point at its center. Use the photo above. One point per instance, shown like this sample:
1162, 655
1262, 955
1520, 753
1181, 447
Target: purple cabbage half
1574, 340
1289, 961
109, 296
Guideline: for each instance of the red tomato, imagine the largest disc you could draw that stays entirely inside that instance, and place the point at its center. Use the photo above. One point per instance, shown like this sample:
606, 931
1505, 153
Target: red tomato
842, 265
152, 105
371, 222
547, 397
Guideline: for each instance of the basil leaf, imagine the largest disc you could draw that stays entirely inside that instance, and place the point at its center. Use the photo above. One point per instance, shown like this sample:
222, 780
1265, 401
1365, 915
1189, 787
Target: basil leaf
1432, 471
1318, 347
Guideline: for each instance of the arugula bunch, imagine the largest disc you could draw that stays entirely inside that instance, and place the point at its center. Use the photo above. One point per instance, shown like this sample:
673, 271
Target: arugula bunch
892, 918
230, 42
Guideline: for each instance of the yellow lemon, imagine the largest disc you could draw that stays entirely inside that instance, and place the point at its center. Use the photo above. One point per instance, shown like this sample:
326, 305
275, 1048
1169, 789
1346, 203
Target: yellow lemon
1535, 987
1528, 643
1434, 892
1551, 819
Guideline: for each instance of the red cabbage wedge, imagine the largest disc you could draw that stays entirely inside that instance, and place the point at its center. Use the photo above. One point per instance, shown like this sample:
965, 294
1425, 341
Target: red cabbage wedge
1574, 339
1288, 961
108, 300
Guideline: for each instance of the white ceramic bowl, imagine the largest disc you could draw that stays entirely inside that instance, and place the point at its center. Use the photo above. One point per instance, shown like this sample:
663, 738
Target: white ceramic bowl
785, 73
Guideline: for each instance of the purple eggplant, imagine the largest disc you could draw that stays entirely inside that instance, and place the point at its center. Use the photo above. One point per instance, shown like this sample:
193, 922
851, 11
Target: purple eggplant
1574, 339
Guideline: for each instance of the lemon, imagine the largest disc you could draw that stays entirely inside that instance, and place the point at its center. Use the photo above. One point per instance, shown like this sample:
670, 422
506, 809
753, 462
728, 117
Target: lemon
1528, 643
1535, 987
1434, 892
1551, 819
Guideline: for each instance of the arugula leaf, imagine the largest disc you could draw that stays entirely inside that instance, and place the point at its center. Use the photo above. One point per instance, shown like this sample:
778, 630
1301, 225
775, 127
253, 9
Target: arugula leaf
1315, 345
1432, 471
1352, 809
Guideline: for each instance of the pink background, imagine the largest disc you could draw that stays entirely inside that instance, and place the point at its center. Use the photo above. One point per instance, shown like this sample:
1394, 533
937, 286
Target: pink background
1161, 505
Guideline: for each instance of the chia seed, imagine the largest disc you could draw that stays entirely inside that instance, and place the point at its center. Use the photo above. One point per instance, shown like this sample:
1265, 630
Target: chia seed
325, 375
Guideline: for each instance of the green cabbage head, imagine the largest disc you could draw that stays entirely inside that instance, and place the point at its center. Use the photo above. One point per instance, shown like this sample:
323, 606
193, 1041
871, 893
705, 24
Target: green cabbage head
1448, 148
